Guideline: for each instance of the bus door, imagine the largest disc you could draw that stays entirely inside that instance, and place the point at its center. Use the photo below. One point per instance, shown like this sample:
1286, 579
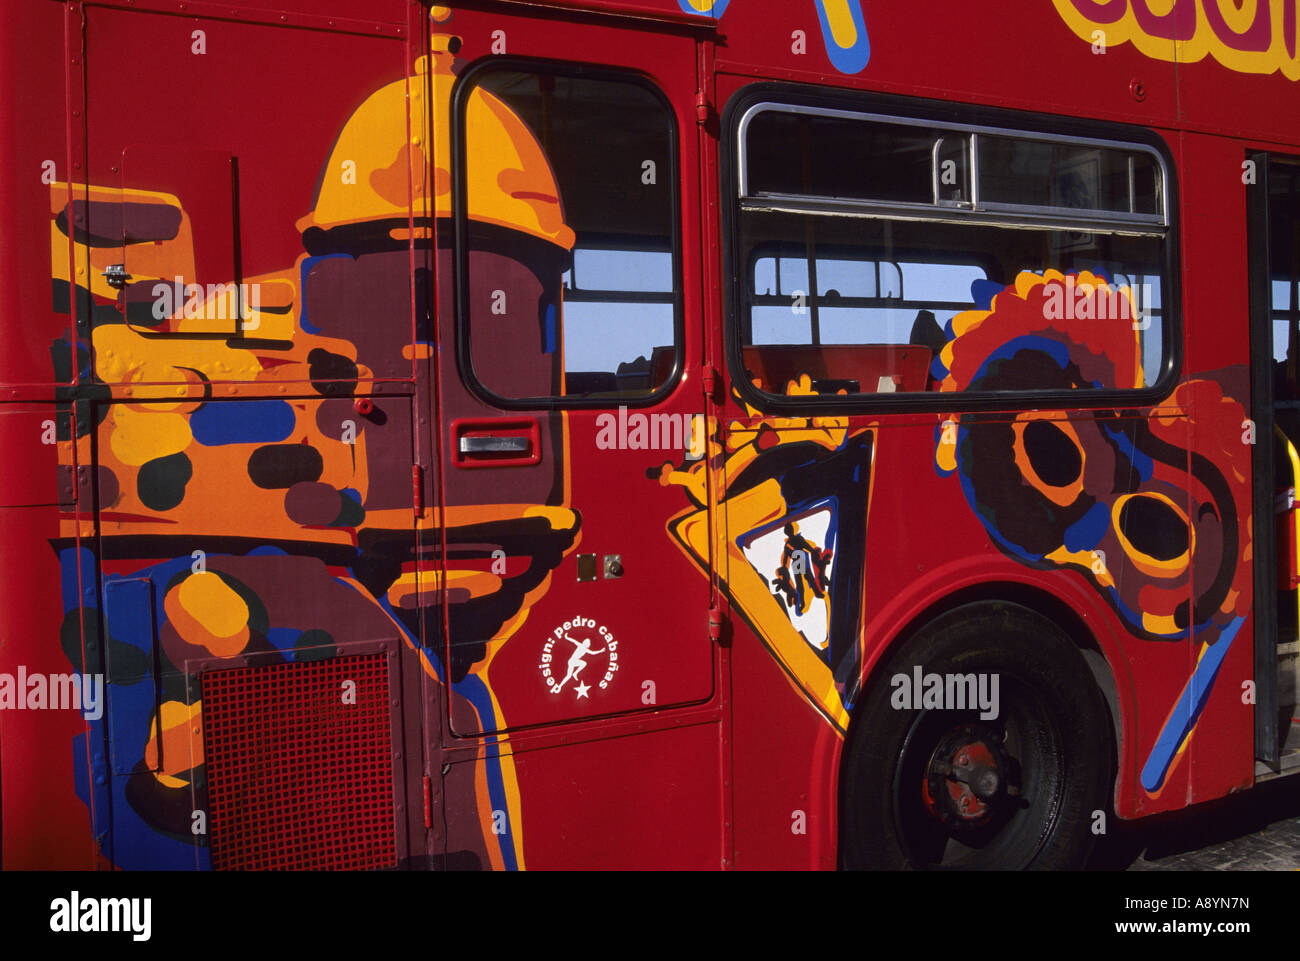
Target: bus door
571, 401
1274, 248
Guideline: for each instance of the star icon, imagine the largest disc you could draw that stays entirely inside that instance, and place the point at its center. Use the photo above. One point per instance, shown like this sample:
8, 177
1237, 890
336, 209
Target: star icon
583, 689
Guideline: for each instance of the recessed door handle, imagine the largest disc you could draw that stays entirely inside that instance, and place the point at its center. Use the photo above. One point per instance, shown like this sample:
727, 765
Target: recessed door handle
494, 445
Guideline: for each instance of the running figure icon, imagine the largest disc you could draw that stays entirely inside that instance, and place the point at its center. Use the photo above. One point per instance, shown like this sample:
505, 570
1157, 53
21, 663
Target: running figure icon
577, 660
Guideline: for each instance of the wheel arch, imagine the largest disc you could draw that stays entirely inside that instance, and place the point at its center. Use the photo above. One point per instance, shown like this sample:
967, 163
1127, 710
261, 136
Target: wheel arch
1039, 602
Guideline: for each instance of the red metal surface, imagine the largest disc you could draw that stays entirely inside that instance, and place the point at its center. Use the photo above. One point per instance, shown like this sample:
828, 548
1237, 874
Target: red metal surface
300, 765
622, 784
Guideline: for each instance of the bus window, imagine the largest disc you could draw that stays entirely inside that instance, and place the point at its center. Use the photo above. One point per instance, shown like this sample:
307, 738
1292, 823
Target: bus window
834, 301
635, 287
871, 241
586, 308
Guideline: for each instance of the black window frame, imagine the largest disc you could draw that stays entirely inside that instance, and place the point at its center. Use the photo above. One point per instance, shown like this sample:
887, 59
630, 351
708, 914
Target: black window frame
465, 85
921, 110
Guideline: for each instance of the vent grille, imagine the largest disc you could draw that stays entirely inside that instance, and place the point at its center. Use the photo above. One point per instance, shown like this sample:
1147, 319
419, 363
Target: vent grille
298, 778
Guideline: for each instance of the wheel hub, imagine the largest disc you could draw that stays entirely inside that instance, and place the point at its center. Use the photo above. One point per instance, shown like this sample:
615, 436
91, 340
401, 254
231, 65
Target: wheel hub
970, 777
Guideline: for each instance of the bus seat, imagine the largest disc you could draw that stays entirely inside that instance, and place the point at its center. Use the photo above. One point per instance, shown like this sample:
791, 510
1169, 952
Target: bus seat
854, 368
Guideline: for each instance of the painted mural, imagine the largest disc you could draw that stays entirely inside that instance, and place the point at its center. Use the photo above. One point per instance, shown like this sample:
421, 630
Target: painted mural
796, 495
274, 525
1260, 37
278, 526
1121, 498
843, 28
1149, 519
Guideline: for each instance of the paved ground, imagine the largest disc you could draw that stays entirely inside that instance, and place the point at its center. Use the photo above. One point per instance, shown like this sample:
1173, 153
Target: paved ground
1255, 831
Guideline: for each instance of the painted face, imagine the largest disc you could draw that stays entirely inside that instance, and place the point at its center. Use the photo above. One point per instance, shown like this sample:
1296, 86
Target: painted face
1127, 500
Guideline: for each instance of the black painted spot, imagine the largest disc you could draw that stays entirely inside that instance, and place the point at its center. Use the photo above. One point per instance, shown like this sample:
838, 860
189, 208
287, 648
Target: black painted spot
315, 645
161, 482
351, 513
376, 571
138, 301
280, 466
127, 664
167, 810
1054, 456
1153, 527
331, 373
78, 623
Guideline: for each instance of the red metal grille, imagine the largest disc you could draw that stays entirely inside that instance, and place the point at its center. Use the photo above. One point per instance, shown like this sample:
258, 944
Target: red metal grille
298, 779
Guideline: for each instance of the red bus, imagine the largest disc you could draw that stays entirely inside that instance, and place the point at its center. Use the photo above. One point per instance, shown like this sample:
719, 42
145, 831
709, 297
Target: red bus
664, 433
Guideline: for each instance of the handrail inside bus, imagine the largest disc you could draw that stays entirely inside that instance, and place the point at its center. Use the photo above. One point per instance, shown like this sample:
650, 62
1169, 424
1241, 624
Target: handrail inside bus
1294, 457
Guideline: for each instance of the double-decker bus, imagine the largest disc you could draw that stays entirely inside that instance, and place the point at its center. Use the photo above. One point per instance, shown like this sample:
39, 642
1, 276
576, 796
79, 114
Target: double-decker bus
664, 433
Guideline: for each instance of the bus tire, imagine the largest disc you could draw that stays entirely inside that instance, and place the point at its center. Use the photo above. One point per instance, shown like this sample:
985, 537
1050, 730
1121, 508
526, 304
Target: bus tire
931, 785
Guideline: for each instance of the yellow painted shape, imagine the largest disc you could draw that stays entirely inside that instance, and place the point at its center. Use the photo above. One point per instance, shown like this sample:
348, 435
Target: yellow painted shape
123, 356
843, 30
137, 437
1205, 42
417, 351
384, 146
1151, 566
945, 456
211, 602
181, 750
1165, 625
425, 583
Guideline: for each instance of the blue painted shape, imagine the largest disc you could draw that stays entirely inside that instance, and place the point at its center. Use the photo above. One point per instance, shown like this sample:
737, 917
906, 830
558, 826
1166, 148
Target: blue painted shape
548, 326
77, 578
1188, 709
472, 688
242, 422
283, 638
1142, 463
982, 292
1054, 349
715, 9
131, 691
851, 59
1087, 532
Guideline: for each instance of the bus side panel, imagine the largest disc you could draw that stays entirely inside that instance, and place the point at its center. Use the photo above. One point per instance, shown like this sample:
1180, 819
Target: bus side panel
1216, 315
33, 115
608, 804
43, 747
248, 477
786, 759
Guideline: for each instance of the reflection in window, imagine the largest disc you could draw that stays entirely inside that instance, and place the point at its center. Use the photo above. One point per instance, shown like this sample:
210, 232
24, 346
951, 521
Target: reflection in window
586, 306
864, 237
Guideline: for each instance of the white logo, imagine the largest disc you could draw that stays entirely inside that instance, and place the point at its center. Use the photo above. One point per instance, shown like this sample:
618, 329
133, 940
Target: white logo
125, 915
571, 644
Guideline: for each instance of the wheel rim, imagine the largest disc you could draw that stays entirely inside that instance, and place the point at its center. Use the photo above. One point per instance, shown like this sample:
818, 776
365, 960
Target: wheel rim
977, 794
